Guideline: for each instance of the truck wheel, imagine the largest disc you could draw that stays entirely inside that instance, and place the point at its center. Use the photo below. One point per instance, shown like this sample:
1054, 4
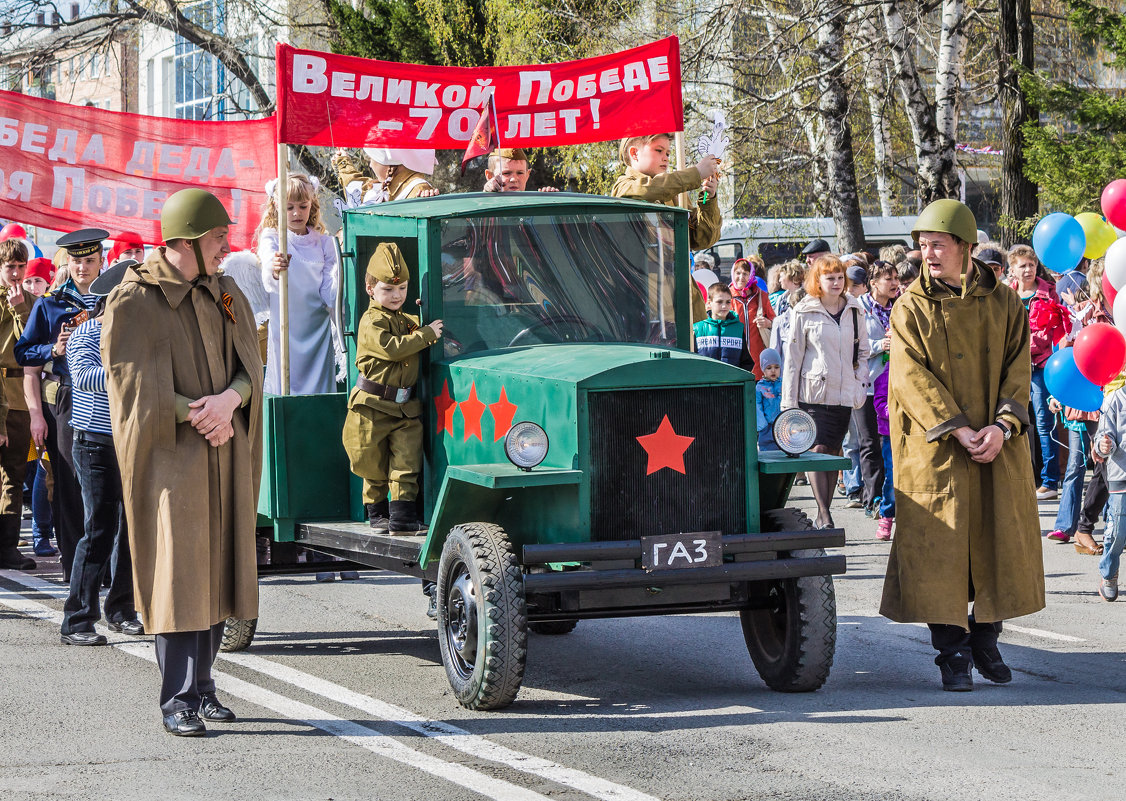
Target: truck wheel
792, 642
553, 627
482, 618
238, 634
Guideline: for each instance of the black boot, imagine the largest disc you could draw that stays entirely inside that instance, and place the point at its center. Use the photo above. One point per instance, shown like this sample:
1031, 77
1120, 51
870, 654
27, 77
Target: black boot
987, 659
404, 518
10, 556
954, 658
377, 515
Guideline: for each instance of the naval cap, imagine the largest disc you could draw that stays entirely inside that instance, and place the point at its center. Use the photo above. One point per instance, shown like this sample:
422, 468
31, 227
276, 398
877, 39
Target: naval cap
83, 242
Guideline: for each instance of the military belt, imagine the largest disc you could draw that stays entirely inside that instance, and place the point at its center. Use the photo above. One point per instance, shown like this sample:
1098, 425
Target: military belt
384, 392
11, 372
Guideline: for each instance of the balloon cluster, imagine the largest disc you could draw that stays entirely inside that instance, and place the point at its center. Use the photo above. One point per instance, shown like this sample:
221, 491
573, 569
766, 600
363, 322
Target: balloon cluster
1075, 375
16, 231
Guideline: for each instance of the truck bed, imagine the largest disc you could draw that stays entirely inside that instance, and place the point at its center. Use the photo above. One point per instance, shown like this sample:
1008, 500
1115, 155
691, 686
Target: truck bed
357, 543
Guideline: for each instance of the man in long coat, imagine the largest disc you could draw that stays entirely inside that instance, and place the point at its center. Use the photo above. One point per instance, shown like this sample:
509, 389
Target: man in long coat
967, 527
184, 379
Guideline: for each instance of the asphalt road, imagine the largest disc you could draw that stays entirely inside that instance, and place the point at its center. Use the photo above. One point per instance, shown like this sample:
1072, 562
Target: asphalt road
343, 696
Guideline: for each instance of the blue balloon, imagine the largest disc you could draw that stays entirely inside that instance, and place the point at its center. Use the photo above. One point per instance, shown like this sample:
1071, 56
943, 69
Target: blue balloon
1069, 386
1059, 241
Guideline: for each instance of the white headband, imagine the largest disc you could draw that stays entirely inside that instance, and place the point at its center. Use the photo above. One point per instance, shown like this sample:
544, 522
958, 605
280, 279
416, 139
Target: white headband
272, 185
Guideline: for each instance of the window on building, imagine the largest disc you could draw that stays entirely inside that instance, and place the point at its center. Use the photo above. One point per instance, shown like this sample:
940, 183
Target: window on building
199, 77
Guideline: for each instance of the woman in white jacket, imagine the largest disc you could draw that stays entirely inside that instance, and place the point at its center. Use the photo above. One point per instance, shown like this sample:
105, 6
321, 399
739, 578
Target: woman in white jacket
826, 366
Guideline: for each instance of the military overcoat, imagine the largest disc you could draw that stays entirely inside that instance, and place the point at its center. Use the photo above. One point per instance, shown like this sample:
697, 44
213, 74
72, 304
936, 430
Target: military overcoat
191, 507
964, 531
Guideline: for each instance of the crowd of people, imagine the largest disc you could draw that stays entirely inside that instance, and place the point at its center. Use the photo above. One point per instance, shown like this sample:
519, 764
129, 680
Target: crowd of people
143, 476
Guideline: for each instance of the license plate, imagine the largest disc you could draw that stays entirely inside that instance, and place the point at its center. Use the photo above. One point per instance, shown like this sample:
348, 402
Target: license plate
679, 551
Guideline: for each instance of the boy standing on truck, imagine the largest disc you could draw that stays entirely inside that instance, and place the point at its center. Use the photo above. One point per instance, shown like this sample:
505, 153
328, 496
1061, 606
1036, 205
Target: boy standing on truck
383, 432
647, 178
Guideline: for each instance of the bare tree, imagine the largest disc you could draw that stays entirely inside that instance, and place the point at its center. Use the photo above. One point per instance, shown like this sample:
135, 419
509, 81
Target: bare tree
1018, 194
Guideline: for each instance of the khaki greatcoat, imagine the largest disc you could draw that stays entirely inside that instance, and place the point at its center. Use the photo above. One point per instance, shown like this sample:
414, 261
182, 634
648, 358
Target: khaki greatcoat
191, 508
964, 531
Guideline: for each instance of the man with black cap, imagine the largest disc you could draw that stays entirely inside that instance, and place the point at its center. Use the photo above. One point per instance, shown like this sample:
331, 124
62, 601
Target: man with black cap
15, 305
814, 249
184, 380
42, 347
98, 475
508, 171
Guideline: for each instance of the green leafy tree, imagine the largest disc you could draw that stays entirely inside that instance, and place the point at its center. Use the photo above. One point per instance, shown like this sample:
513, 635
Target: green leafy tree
388, 30
1081, 145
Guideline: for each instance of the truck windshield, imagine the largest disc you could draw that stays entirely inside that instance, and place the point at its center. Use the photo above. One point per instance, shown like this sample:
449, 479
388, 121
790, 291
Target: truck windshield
513, 281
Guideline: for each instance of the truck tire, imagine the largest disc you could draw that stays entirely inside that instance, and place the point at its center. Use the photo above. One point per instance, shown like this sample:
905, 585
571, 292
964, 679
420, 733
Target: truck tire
553, 627
792, 642
238, 634
482, 617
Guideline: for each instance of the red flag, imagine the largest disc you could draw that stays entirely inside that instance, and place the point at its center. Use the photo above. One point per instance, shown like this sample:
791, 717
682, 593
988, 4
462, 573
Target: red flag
485, 136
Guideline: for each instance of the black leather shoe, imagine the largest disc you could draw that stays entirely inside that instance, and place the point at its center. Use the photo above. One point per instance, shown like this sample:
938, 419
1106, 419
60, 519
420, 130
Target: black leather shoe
133, 628
84, 638
185, 723
211, 709
12, 559
956, 676
991, 666
404, 519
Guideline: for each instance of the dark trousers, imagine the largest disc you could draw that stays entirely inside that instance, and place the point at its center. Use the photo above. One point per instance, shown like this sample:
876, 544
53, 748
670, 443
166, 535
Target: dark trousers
869, 451
185, 659
1094, 499
956, 644
67, 503
104, 543
13, 462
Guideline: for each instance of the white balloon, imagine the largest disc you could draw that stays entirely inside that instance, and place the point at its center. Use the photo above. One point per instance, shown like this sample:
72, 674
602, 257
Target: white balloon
1118, 313
1115, 265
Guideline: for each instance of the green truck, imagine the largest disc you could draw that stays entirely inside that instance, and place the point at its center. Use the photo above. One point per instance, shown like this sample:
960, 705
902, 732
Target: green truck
580, 461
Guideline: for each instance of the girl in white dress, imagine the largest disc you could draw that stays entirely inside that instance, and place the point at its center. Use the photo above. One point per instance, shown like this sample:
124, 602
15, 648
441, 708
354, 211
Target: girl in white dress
313, 270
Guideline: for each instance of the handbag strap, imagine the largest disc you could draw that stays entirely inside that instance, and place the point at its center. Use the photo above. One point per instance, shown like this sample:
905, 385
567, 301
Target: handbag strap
855, 339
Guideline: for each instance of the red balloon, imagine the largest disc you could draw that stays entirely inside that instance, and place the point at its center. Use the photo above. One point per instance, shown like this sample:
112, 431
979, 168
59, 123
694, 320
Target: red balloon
1109, 292
12, 231
1100, 353
1114, 202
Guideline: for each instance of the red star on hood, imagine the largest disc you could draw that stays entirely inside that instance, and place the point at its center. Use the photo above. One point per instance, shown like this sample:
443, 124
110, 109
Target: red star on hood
471, 411
665, 448
444, 406
503, 412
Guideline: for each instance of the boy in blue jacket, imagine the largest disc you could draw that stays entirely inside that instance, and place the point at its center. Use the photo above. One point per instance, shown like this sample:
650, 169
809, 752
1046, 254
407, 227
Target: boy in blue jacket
768, 398
720, 335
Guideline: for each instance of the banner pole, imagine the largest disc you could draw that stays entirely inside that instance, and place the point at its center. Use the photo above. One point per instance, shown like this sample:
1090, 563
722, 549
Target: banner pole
682, 198
283, 277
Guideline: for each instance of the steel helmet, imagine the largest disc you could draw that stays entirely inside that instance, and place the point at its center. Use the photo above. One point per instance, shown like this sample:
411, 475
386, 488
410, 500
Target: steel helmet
191, 213
947, 216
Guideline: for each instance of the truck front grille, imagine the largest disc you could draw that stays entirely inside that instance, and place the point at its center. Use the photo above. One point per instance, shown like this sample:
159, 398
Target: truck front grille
627, 501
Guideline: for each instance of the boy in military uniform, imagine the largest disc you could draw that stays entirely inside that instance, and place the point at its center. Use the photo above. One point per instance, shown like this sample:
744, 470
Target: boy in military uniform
647, 178
383, 433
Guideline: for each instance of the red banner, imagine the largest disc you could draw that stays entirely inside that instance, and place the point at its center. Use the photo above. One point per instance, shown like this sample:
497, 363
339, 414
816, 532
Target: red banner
66, 167
344, 101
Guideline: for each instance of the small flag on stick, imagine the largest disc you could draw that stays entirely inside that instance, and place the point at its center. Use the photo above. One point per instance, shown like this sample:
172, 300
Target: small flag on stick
486, 136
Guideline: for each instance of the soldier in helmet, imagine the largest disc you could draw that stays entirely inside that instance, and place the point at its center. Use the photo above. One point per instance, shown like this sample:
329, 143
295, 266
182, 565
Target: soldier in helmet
968, 529
383, 432
184, 382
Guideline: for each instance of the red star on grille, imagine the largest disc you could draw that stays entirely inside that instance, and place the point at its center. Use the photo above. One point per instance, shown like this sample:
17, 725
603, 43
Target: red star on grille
444, 405
665, 448
471, 411
503, 412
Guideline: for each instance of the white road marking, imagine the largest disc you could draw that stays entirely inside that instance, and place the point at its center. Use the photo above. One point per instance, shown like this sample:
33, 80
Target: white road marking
369, 739
449, 735
1048, 635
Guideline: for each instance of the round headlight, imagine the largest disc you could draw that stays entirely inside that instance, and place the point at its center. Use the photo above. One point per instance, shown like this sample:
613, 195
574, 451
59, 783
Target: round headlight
525, 445
794, 431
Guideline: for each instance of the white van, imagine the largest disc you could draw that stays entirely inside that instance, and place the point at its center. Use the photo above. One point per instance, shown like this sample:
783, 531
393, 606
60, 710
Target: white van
781, 239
